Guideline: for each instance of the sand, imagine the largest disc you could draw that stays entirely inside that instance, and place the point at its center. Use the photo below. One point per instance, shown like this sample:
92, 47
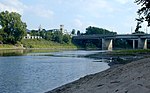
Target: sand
133, 77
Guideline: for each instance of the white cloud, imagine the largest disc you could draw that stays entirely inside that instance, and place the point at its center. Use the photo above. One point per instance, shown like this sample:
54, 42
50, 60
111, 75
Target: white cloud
80, 16
19, 7
78, 23
98, 5
12, 6
96, 8
39, 10
123, 1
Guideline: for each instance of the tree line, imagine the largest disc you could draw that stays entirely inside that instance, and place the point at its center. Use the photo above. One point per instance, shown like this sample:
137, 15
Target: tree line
95, 30
51, 35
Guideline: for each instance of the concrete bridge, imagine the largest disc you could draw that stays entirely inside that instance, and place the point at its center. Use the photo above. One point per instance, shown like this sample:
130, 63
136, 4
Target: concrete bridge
107, 40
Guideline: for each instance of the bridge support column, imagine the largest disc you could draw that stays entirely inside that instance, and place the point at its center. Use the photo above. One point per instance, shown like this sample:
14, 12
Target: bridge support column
142, 43
133, 44
107, 44
145, 44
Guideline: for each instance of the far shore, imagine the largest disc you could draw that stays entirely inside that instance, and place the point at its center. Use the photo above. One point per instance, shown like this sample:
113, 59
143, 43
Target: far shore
130, 78
22, 48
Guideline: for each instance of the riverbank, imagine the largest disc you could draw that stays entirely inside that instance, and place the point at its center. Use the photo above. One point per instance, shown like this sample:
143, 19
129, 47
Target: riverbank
38, 44
130, 78
44, 44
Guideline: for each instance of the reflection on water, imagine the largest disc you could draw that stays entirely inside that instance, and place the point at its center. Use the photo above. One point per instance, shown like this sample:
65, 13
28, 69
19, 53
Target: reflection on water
37, 74
21, 52
12, 52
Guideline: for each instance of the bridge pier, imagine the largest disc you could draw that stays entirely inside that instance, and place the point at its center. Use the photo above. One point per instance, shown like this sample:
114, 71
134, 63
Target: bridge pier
133, 44
142, 43
107, 44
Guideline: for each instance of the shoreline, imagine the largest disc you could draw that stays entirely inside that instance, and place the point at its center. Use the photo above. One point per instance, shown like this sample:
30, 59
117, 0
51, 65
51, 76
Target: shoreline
129, 78
35, 48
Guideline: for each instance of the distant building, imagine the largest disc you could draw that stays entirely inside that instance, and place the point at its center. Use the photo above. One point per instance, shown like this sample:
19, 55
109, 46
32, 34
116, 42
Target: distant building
32, 37
40, 28
62, 28
64, 31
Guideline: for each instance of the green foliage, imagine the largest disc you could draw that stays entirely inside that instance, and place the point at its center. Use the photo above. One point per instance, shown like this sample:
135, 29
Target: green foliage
1, 35
121, 43
1, 38
48, 36
51, 35
66, 39
138, 26
34, 33
144, 11
58, 37
87, 44
12, 27
95, 30
42, 33
78, 32
90, 45
73, 31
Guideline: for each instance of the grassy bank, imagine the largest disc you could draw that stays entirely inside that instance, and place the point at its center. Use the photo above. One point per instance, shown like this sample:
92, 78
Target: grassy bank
41, 43
121, 56
127, 56
130, 52
6, 46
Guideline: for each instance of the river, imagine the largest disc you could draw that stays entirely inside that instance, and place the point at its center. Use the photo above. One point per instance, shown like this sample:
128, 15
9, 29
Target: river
38, 72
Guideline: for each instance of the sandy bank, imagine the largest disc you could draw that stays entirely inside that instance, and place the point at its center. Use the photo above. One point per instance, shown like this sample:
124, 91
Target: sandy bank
130, 78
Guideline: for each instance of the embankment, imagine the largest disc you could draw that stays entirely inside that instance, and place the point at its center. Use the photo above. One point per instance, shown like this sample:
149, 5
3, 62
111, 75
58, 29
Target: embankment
133, 77
38, 44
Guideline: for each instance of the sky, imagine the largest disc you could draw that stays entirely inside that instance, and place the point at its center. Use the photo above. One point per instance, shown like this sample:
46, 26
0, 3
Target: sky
114, 15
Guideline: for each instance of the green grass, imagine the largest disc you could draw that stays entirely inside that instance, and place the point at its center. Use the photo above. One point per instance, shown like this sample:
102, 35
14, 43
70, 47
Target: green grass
130, 52
6, 46
41, 43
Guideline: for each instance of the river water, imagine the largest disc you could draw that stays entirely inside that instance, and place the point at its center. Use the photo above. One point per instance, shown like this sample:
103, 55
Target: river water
38, 72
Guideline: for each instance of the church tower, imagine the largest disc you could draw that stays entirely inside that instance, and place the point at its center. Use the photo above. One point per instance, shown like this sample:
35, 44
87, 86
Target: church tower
62, 28
40, 28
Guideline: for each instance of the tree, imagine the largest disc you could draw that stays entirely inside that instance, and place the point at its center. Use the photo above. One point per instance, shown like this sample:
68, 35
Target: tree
42, 33
1, 35
58, 36
144, 11
78, 32
34, 33
66, 38
138, 26
73, 32
95, 30
12, 26
49, 35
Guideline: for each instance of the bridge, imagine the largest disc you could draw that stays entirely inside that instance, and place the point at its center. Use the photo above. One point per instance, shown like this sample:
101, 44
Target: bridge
107, 40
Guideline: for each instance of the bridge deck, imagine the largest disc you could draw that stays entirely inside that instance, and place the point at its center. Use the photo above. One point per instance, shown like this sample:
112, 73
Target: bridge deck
121, 36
